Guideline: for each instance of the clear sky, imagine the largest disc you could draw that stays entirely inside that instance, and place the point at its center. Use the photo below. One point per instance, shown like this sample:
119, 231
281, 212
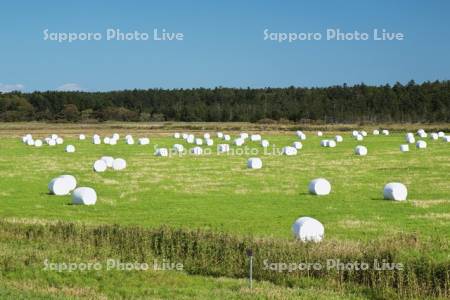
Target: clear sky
223, 44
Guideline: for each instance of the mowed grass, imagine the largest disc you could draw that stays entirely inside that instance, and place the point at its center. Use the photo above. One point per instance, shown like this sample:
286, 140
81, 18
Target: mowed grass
218, 191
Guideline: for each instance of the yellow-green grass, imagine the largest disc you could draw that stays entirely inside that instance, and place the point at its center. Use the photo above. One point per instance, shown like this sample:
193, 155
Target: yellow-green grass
218, 191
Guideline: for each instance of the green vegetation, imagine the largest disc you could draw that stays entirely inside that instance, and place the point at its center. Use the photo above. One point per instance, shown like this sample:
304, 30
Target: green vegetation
214, 208
426, 102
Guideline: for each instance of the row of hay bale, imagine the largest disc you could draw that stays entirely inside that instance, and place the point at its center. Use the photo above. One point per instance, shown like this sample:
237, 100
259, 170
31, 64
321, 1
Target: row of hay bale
66, 184
105, 162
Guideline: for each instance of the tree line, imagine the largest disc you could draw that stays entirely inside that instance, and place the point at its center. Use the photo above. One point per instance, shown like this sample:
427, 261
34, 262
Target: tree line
426, 102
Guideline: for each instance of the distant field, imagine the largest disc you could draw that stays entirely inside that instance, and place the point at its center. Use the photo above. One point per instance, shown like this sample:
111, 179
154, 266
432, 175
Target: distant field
219, 192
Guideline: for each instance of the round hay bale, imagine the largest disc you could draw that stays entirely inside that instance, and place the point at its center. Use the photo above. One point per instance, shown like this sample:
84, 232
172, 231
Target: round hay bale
319, 133
297, 145
52, 142
423, 135
116, 136
223, 148
106, 140
302, 137
410, 139
59, 186
441, 134
385, 132
71, 181
144, 141
162, 152
84, 196
239, 141
30, 142
184, 136
289, 151
361, 150
339, 139
243, 135
54, 136
38, 143
81, 137
209, 142
265, 143
70, 148
324, 143
227, 137
129, 141
112, 141
307, 229
206, 136
395, 191
363, 133
176, 135
421, 144
255, 137
59, 141
220, 135
197, 151
434, 136
359, 137
404, 148
27, 137
376, 132
96, 141
190, 139
354, 133
198, 141
331, 143
254, 163
100, 166
319, 186
446, 139
178, 148
119, 164
109, 160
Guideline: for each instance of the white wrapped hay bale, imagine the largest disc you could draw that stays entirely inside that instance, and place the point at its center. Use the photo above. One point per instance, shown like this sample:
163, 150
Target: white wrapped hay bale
209, 142
404, 148
319, 133
176, 135
338, 139
116, 136
59, 186
319, 186
184, 136
109, 160
119, 164
227, 137
113, 142
144, 141
220, 135
197, 151
361, 150
441, 134
421, 144
70, 148
239, 141
54, 136
129, 141
27, 137
223, 148
331, 143
178, 148
243, 135
30, 142
299, 133
190, 139
59, 141
307, 229
395, 191
289, 151
423, 135
410, 138
106, 140
52, 142
198, 142
81, 137
376, 132
100, 166
255, 137
385, 132
254, 163
324, 143
446, 139
265, 143
162, 152
363, 133
355, 133
71, 181
359, 137
84, 196
206, 136
38, 143
297, 145
434, 136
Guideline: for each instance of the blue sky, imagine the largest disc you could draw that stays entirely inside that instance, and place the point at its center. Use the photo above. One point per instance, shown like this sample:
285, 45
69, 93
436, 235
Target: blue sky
223, 44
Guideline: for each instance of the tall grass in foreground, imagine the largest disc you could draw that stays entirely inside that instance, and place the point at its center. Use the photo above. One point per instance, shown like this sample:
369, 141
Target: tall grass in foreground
218, 254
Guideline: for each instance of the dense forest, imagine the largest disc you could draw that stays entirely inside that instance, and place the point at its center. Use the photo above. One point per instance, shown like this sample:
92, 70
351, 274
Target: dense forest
426, 102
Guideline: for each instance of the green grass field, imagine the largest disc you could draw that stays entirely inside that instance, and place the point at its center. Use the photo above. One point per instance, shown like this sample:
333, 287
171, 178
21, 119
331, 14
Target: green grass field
217, 192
